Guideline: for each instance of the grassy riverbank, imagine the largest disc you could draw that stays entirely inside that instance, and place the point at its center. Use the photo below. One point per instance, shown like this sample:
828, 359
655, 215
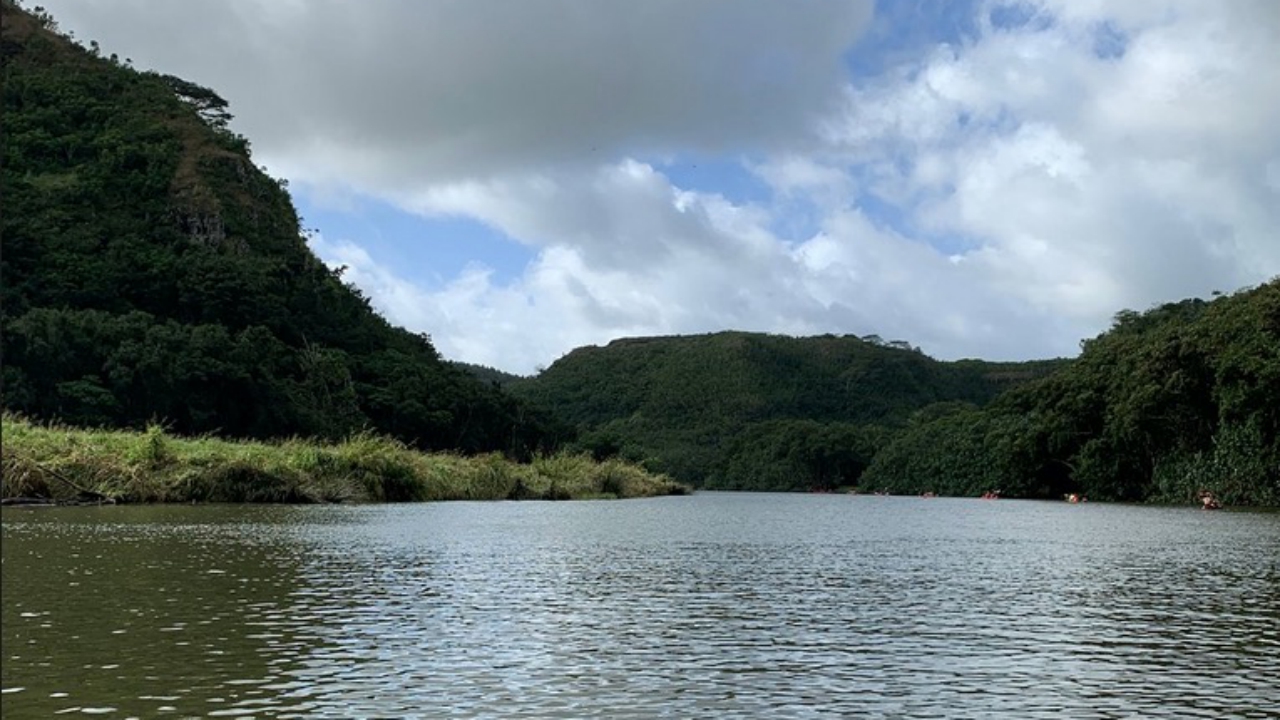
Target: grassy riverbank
69, 464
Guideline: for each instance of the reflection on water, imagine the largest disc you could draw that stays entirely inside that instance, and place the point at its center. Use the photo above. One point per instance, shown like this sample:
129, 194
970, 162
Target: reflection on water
715, 605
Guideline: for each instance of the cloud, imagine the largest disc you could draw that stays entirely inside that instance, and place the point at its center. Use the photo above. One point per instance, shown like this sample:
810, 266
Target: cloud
621, 252
639, 256
1084, 181
1043, 183
999, 192
384, 95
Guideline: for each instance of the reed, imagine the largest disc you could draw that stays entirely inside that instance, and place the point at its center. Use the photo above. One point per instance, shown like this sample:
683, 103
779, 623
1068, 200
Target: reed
64, 464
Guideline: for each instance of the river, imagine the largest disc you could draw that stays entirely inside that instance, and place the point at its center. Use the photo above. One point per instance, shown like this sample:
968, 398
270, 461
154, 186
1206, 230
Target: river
715, 605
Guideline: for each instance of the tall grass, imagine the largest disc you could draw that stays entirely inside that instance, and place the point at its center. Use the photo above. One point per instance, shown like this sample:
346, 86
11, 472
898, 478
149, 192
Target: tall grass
71, 464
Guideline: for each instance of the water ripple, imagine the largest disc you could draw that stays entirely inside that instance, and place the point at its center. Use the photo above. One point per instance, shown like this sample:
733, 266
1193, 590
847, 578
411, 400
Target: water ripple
710, 606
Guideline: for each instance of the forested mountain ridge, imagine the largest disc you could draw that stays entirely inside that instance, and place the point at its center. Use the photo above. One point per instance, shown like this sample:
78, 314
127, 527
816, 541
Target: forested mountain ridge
152, 272
1177, 400
754, 411
487, 374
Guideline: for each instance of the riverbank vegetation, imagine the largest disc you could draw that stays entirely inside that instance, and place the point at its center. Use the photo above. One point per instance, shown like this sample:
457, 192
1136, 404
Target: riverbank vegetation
1171, 402
63, 464
1180, 399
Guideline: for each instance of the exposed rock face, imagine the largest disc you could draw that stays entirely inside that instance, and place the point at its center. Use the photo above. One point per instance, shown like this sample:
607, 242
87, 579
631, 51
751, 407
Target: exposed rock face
204, 229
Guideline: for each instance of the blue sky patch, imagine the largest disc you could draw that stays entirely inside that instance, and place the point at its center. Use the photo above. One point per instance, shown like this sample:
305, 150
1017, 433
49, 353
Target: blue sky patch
427, 250
1109, 41
902, 29
1019, 16
728, 177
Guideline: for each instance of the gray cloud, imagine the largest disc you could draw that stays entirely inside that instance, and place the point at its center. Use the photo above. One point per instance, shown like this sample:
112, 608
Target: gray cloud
384, 94
1038, 187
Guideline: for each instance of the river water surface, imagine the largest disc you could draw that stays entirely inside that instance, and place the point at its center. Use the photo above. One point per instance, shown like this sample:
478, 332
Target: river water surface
715, 605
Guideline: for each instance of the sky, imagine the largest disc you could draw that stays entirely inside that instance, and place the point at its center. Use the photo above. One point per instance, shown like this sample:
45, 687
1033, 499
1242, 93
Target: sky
978, 178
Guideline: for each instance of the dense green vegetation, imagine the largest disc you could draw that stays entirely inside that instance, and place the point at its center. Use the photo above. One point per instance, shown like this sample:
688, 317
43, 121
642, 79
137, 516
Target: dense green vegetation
740, 410
1182, 398
66, 464
151, 272
486, 374
153, 276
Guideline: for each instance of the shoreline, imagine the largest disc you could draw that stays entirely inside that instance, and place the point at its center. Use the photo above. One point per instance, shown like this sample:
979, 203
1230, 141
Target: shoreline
51, 464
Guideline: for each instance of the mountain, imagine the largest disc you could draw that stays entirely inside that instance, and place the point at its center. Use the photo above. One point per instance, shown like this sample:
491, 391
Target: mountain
152, 272
1168, 403
753, 411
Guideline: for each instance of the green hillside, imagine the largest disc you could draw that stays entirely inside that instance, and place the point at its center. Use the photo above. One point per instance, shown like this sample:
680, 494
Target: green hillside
152, 272
1182, 398
752, 411
486, 374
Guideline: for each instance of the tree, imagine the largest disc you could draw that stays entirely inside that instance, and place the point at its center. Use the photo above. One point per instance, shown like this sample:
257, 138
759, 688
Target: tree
207, 103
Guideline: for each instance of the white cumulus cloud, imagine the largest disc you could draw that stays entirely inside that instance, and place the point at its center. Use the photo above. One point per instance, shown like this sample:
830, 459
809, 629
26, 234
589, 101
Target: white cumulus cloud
1000, 194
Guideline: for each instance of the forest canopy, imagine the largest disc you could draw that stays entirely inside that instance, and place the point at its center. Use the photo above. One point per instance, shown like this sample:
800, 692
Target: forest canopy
749, 411
1168, 403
